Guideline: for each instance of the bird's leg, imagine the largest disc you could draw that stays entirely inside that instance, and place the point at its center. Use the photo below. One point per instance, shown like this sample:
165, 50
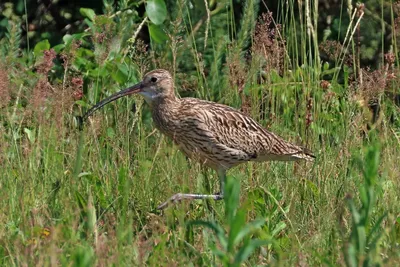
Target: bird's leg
222, 177
180, 196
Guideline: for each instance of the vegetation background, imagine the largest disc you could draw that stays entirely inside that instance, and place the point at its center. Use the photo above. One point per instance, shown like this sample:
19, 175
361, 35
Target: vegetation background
324, 74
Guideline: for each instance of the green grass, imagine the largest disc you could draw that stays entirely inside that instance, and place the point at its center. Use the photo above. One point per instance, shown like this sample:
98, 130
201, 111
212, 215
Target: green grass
89, 198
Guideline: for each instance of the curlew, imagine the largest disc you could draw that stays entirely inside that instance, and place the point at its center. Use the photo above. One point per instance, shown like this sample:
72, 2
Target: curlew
217, 135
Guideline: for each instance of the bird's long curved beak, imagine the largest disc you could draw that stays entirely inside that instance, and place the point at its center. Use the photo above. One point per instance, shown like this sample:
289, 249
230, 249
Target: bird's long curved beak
128, 91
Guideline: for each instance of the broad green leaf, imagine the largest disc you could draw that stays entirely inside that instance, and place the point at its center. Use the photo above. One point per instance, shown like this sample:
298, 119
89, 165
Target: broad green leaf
376, 230
91, 214
236, 224
231, 198
248, 228
121, 74
88, 13
83, 52
249, 248
219, 232
58, 48
278, 228
88, 22
80, 63
41, 46
353, 211
351, 256
99, 72
79, 36
222, 255
371, 165
156, 11
362, 239
68, 38
157, 34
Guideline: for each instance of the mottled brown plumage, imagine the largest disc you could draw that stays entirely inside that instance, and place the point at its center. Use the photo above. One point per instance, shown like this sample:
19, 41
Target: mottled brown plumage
219, 136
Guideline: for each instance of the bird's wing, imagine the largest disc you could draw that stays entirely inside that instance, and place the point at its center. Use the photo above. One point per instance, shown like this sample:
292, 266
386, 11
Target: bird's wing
242, 137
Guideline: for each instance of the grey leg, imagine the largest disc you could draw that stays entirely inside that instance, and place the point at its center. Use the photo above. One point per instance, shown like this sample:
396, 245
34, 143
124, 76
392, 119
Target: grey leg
222, 177
180, 196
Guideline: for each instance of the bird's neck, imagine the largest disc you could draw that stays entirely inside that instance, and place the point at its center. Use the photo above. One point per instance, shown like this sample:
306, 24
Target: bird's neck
164, 112
164, 103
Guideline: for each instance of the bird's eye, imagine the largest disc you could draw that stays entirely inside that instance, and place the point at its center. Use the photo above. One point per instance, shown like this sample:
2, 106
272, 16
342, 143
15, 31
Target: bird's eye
153, 79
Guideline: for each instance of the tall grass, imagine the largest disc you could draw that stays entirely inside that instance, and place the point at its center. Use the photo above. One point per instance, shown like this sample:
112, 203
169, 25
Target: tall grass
89, 198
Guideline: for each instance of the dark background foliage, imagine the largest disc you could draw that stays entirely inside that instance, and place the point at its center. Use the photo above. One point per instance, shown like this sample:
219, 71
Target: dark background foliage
51, 20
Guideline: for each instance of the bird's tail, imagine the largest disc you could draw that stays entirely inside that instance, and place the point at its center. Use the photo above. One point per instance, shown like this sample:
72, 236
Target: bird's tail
305, 154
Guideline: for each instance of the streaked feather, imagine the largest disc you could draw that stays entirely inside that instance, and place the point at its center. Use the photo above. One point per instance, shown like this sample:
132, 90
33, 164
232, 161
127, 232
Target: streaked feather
221, 136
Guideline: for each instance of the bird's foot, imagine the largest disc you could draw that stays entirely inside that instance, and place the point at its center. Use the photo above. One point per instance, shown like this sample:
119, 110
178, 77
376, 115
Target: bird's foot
180, 196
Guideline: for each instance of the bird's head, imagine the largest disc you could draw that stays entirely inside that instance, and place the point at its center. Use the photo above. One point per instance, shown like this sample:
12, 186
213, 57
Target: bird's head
156, 86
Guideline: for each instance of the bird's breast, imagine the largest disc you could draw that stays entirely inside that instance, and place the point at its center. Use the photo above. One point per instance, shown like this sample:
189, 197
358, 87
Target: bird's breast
165, 121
